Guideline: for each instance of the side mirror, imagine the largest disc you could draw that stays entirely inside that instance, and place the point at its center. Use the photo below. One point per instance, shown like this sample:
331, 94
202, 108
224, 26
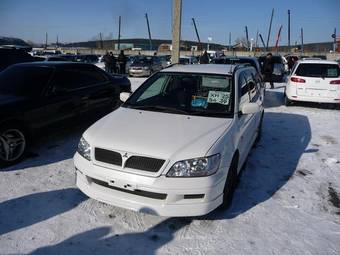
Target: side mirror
124, 96
250, 108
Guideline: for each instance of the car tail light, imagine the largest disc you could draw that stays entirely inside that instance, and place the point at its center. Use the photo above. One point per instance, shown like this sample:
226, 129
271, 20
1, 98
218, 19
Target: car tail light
299, 80
335, 82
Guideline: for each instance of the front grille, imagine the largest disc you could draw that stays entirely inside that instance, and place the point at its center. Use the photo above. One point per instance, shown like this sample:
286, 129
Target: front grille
109, 157
144, 163
159, 196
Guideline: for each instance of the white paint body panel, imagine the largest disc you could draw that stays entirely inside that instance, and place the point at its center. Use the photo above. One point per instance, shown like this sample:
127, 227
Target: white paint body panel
172, 137
314, 89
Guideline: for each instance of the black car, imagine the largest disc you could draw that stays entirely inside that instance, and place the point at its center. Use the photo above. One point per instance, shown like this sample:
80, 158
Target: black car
10, 56
38, 94
278, 74
232, 60
90, 58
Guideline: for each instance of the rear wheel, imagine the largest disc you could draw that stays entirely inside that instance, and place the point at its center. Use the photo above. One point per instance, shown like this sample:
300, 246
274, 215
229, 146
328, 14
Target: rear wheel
230, 184
13, 144
288, 102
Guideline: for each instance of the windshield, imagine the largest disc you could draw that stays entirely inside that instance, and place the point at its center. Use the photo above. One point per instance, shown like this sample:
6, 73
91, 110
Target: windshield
24, 80
318, 70
192, 94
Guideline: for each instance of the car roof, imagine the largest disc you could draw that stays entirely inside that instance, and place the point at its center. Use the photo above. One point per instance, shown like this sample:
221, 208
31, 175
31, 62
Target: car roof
202, 68
317, 61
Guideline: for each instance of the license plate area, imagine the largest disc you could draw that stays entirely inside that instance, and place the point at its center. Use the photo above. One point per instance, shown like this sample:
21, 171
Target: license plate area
122, 185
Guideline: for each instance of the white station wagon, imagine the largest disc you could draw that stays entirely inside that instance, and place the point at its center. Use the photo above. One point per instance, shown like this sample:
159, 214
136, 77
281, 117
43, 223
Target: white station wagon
177, 144
314, 81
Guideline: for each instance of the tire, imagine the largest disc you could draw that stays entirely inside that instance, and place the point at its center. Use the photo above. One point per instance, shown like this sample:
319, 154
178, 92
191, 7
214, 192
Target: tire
13, 144
230, 184
288, 102
259, 130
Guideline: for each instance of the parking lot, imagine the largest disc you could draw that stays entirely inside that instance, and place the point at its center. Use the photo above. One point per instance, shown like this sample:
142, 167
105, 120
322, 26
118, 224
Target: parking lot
287, 200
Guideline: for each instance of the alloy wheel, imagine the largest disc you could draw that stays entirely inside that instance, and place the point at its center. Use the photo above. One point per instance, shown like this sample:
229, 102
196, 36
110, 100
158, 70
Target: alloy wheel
12, 145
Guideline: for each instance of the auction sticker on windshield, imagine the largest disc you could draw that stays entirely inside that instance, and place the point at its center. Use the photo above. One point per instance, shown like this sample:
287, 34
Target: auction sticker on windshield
218, 97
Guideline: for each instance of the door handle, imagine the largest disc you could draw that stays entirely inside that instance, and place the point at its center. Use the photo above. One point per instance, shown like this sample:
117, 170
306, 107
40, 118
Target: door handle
84, 98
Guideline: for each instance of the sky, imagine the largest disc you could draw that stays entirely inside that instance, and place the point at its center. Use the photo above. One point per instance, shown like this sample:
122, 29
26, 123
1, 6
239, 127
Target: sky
83, 20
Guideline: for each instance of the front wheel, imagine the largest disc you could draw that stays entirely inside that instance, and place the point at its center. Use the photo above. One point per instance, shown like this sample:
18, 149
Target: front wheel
230, 184
13, 145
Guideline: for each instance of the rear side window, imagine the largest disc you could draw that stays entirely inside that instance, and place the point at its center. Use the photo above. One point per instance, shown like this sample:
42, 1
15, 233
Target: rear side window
24, 80
76, 78
318, 70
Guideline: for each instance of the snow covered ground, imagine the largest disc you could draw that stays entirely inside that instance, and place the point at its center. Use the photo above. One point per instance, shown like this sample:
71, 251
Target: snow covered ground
287, 201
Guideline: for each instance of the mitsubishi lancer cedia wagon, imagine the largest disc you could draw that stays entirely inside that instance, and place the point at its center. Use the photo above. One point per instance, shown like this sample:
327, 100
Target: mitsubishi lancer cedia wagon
177, 144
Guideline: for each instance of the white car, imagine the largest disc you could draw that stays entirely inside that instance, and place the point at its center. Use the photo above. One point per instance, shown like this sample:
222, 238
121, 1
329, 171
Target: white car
177, 144
314, 81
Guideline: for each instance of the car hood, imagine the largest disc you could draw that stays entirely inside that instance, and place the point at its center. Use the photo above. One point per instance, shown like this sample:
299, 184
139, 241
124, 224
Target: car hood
156, 134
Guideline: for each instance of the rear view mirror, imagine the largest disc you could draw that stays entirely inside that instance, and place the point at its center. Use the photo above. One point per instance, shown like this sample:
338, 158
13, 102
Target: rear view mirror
124, 96
250, 108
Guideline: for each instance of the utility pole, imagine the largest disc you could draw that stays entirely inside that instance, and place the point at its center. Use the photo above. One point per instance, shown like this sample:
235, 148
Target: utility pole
101, 40
270, 28
257, 38
119, 24
198, 37
289, 30
148, 25
334, 42
176, 30
247, 37
46, 37
229, 41
302, 41
264, 46
277, 40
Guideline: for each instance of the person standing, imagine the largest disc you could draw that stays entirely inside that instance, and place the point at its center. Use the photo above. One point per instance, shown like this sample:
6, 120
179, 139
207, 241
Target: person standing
204, 59
113, 61
122, 62
268, 68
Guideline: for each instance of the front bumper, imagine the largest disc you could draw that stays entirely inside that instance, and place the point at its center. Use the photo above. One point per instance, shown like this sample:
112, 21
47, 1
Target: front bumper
171, 197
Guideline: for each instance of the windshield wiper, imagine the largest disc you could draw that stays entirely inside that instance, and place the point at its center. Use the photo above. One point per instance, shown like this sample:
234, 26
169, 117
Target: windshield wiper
211, 114
158, 107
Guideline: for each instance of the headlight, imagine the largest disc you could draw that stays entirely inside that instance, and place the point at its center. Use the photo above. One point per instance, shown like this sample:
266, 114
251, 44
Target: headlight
84, 149
195, 167
146, 67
